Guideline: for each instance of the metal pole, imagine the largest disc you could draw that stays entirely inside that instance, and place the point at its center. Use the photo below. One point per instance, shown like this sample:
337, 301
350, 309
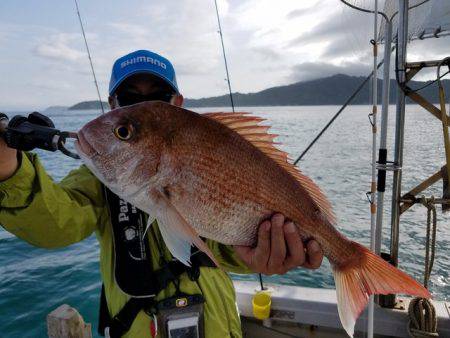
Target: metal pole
399, 128
373, 206
382, 153
89, 56
224, 56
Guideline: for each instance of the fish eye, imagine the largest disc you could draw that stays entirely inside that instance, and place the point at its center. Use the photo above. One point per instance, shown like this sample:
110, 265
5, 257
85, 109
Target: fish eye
123, 132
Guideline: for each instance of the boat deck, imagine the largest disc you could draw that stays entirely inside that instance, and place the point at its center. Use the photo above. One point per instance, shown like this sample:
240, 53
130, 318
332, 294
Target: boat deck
311, 312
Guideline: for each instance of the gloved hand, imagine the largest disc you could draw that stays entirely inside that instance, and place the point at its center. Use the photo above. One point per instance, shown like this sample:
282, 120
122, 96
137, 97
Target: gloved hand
8, 161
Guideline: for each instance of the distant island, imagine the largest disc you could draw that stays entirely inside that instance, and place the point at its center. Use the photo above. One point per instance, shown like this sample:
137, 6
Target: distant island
332, 90
54, 109
89, 105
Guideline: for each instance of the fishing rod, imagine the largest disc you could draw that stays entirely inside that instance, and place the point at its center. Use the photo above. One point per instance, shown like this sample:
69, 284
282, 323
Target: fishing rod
89, 55
389, 20
230, 93
34, 131
224, 56
346, 103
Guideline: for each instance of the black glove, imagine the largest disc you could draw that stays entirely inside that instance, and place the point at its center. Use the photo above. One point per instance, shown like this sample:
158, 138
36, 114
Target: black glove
28, 133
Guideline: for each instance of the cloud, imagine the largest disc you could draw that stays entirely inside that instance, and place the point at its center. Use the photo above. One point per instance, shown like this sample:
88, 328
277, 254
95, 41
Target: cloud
296, 13
340, 38
267, 44
58, 47
267, 53
313, 70
185, 32
337, 24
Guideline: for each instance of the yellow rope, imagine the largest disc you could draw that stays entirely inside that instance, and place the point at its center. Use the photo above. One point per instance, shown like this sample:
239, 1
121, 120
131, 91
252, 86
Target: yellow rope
422, 315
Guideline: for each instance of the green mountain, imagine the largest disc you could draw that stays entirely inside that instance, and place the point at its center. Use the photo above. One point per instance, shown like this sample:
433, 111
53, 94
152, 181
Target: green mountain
87, 105
333, 90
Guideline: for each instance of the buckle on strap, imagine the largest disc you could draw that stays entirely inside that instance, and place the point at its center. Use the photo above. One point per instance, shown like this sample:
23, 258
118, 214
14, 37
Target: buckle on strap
168, 273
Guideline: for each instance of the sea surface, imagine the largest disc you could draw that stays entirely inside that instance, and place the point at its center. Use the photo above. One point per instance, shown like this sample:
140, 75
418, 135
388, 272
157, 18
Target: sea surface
35, 281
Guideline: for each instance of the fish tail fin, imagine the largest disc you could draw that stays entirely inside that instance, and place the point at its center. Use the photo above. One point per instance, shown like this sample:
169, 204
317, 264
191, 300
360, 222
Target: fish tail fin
367, 275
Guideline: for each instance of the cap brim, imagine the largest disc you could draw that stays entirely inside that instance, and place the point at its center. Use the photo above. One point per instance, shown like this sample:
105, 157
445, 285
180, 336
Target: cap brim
142, 71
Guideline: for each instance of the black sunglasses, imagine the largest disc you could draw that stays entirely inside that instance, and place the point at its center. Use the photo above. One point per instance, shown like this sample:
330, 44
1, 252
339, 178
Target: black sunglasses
127, 98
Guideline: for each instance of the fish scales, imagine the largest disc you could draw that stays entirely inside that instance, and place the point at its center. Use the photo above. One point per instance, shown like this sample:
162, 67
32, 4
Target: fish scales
218, 176
251, 183
217, 197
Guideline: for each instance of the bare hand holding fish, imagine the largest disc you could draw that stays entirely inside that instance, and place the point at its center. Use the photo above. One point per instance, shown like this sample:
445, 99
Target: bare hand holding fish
219, 176
280, 248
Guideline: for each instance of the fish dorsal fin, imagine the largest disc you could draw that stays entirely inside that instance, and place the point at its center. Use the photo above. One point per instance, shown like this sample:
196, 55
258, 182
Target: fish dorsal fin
248, 127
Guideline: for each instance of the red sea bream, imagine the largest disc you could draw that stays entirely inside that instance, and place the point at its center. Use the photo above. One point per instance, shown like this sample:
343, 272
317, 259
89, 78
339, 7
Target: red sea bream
219, 176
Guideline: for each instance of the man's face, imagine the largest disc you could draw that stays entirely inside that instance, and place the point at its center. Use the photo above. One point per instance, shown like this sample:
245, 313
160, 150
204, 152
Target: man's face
144, 87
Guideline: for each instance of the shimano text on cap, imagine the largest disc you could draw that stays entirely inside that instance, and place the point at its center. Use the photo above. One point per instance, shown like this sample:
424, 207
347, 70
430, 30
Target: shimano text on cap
142, 61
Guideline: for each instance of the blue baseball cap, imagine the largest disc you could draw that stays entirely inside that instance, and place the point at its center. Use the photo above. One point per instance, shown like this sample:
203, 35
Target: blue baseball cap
142, 61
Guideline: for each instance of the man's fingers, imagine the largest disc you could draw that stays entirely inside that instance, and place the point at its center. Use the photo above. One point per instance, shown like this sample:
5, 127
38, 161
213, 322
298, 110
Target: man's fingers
295, 248
256, 258
314, 255
280, 248
277, 244
261, 252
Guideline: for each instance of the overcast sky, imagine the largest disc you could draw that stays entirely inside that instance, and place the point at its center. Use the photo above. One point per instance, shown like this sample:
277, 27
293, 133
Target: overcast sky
43, 60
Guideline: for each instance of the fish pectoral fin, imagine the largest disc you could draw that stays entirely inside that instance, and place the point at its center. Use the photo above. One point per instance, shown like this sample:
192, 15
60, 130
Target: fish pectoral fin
177, 233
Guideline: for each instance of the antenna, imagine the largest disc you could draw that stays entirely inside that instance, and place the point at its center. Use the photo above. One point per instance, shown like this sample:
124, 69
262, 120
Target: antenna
89, 56
224, 56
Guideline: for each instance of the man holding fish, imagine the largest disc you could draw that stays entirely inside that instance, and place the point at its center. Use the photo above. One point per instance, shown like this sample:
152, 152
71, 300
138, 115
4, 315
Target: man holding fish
133, 255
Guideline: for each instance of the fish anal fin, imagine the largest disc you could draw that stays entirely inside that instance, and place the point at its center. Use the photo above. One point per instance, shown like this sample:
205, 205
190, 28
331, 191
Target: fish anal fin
248, 127
369, 275
177, 233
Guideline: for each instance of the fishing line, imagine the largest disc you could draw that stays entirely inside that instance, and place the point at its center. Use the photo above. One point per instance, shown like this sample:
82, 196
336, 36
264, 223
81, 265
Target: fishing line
224, 56
261, 282
430, 83
349, 100
229, 90
89, 55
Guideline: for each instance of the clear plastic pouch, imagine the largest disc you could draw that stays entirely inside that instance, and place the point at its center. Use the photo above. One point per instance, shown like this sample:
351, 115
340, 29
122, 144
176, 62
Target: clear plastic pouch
181, 316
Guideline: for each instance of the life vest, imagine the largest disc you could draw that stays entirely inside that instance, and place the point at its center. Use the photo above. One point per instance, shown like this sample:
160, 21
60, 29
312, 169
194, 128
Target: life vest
133, 270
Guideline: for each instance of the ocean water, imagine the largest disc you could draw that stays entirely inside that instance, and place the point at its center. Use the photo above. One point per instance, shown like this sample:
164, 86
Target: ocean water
35, 281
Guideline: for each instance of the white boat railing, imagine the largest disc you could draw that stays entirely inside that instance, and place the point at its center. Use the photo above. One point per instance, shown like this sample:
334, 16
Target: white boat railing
318, 307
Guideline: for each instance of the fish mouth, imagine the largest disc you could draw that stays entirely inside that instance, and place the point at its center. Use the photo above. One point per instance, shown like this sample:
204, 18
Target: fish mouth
84, 147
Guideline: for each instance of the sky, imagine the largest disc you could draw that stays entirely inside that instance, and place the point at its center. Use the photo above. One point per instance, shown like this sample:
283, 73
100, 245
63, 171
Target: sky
43, 60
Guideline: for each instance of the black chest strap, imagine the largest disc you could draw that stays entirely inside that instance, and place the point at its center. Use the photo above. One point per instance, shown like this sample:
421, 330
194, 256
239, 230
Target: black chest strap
132, 256
133, 266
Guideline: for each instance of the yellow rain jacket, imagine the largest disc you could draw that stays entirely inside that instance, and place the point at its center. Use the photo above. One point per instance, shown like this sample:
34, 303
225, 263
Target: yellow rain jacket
52, 215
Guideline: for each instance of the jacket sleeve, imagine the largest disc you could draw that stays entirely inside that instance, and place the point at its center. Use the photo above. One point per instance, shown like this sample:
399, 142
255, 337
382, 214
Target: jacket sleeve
227, 258
47, 214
